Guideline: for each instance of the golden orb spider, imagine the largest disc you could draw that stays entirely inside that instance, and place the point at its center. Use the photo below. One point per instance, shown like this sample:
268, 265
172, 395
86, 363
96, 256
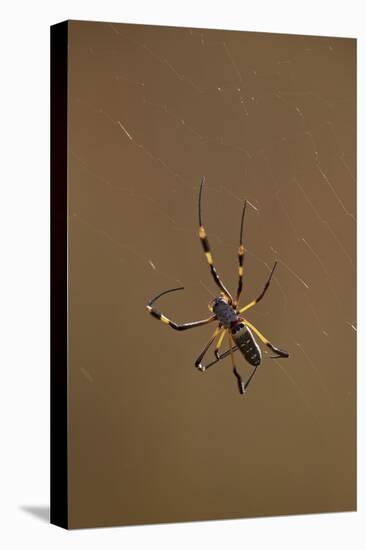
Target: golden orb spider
228, 314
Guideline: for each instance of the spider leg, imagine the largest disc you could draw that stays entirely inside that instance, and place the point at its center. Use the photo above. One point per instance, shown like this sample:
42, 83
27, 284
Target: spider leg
239, 379
176, 326
253, 302
222, 356
207, 250
198, 363
240, 258
242, 386
218, 345
280, 353
250, 378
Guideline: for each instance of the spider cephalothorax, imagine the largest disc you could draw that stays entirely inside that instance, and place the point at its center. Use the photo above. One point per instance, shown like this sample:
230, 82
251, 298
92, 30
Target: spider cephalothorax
227, 313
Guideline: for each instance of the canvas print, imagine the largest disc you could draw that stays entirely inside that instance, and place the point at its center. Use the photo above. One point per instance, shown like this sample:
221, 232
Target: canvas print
205, 179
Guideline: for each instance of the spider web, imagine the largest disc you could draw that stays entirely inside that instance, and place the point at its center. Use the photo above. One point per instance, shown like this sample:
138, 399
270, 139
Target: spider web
247, 90
265, 118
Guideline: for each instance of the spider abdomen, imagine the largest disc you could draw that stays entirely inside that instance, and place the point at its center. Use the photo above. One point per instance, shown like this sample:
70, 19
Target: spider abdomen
244, 339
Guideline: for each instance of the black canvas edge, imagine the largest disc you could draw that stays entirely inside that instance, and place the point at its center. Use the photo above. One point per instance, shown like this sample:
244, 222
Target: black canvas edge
59, 399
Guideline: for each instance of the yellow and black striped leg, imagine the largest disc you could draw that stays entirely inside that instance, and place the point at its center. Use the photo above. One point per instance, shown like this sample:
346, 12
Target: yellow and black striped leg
176, 326
253, 302
218, 345
280, 353
198, 362
218, 356
239, 379
222, 356
207, 250
240, 258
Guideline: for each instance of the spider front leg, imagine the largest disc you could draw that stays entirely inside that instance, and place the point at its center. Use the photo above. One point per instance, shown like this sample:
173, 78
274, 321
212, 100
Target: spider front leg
176, 326
207, 250
240, 258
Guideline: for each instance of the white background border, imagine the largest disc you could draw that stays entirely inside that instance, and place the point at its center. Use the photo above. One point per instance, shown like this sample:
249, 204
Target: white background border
24, 272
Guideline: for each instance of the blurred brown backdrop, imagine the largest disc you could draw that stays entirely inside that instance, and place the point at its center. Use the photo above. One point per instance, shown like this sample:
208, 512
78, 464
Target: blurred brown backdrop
268, 118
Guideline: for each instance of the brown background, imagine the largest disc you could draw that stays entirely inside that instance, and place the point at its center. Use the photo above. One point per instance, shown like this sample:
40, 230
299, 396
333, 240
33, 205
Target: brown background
268, 118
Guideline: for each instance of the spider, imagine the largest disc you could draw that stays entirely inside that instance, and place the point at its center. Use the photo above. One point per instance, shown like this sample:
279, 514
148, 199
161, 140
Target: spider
227, 312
